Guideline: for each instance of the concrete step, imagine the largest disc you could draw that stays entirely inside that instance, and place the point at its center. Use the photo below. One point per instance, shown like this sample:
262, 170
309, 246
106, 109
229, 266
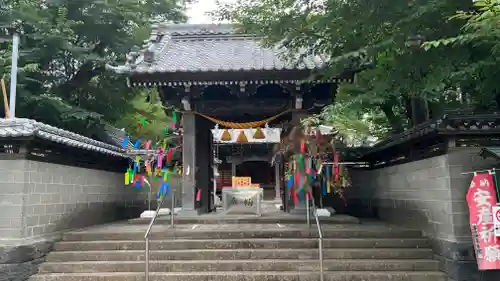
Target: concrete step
276, 243
245, 276
241, 254
238, 219
239, 265
216, 233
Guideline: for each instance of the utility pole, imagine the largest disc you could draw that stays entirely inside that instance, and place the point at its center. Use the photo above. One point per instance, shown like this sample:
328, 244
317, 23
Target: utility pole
13, 75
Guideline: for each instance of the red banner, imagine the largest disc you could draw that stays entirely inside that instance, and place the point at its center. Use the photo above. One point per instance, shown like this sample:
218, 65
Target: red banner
481, 198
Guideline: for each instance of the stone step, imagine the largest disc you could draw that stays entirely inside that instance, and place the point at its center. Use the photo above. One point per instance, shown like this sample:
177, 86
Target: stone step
238, 219
245, 276
240, 254
239, 265
338, 232
242, 244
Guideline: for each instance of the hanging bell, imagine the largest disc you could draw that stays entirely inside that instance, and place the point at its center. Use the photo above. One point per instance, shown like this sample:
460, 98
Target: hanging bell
259, 134
226, 135
242, 138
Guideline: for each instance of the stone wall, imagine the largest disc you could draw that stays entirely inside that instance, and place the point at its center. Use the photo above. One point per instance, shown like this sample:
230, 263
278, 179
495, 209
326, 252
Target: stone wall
38, 200
429, 195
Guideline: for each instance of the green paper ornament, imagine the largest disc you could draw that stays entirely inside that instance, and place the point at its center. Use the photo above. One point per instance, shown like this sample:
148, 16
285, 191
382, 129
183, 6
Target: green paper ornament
300, 159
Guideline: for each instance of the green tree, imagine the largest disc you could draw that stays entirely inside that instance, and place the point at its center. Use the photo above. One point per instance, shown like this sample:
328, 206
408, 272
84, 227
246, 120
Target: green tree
352, 33
147, 109
65, 45
481, 34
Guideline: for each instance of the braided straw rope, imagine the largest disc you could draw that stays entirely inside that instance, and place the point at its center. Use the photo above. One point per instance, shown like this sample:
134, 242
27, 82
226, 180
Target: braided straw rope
249, 125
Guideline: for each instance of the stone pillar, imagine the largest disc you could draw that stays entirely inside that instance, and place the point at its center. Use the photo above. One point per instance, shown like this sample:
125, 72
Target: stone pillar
277, 185
189, 164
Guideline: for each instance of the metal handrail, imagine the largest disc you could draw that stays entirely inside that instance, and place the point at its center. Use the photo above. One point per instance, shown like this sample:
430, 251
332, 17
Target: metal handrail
148, 232
320, 234
320, 245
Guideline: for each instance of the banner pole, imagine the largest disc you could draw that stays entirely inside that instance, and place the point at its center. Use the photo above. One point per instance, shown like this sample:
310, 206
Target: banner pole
497, 188
13, 75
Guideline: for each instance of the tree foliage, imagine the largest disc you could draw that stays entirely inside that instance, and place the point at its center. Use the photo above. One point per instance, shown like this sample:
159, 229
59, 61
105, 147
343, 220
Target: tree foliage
65, 45
390, 34
480, 34
147, 108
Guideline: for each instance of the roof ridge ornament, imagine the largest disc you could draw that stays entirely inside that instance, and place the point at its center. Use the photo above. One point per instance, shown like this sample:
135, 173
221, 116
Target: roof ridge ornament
149, 55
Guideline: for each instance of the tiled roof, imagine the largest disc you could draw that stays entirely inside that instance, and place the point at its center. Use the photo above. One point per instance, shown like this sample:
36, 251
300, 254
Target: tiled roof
20, 127
207, 48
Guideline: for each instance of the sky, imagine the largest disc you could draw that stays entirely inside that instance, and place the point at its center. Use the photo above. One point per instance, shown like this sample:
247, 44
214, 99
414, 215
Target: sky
196, 12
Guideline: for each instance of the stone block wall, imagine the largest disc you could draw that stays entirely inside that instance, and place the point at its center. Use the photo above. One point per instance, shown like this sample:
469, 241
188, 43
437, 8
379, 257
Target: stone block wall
38, 200
428, 195
176, 186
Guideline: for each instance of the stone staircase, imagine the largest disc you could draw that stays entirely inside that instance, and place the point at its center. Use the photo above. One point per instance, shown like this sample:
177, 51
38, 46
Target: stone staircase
241, 251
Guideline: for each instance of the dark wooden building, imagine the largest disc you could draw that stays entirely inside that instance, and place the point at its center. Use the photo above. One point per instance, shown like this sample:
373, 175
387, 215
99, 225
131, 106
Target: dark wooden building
213, 70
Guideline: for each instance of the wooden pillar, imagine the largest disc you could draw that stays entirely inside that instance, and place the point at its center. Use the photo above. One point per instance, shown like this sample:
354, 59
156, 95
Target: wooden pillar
197, 160
233, 168
277, 179
204, 165
189, 164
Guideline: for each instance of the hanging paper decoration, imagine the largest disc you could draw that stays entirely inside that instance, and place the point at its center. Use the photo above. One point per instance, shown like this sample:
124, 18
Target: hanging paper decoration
160, 161
164, 132
137, 182
226, 136
290, 182
125, 142
300, 159
147, 145
259, 134
137, 144
168, 177
142, 122
242, 138
336, 159
308, 167
131, 175
127, 179
164, 190
169, 155
327, 178
148, 168
198, 195
174, 120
